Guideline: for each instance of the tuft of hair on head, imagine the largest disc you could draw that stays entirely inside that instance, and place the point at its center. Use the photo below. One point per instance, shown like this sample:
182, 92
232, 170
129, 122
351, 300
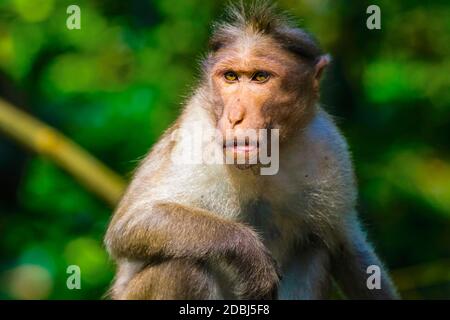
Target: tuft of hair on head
260, 16
263, 17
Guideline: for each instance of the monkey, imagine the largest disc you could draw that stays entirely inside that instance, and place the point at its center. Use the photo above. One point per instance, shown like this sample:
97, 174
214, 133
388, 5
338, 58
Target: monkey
224, 230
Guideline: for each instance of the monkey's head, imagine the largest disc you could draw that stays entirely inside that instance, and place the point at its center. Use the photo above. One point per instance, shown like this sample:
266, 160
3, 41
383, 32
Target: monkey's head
263, 73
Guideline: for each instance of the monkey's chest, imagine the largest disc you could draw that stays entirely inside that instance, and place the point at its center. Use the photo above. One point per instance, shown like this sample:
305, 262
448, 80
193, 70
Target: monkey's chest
280, 229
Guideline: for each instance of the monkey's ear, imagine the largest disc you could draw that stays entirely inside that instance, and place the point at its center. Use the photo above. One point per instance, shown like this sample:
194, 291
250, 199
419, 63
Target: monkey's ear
321, 64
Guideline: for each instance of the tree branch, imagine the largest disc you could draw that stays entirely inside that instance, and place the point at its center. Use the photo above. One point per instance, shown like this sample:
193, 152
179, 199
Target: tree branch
47, 141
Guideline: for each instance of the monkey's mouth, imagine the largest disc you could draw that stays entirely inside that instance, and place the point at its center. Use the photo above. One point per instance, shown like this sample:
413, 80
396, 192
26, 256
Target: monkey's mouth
241, 152
241, 146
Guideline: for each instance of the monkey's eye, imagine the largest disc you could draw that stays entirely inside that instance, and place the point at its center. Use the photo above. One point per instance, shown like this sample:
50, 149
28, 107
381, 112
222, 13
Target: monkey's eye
261, 76
230, 76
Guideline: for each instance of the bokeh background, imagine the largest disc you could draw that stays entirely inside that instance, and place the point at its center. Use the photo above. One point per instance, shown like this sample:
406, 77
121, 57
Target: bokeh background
115, 85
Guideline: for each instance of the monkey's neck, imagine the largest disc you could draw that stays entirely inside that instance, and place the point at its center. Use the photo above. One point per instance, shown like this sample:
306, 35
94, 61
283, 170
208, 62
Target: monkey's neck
245, 179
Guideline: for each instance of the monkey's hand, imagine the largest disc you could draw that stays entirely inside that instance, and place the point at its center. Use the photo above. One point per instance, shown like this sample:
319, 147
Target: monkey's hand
257, 275
176, 231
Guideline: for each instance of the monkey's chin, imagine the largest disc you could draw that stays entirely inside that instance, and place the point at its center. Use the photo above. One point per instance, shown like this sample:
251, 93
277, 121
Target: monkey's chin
242, 160
245, 166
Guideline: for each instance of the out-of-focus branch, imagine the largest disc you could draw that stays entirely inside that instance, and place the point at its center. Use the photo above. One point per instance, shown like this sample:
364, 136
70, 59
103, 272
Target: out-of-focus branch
47, 141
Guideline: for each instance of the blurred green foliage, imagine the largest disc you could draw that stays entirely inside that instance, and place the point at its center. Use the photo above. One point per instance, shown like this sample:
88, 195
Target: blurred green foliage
117, 83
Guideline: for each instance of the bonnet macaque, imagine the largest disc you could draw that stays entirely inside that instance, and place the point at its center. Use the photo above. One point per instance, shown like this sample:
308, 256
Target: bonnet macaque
202, 230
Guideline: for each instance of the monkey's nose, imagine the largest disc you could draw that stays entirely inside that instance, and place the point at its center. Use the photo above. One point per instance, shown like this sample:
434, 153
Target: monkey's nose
236, 116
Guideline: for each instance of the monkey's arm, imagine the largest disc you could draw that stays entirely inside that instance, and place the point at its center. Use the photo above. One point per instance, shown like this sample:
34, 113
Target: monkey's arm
349, 266
170, 230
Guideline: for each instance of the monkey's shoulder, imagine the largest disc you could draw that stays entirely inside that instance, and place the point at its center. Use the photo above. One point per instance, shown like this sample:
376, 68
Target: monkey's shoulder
326, 141
316, 174
318, 155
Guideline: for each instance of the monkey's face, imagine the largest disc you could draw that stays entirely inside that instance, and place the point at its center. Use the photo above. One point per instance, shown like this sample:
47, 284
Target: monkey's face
258, 85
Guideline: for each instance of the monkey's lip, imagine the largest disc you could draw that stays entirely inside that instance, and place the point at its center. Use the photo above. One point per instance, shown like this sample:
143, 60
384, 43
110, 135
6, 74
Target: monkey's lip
237, 146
